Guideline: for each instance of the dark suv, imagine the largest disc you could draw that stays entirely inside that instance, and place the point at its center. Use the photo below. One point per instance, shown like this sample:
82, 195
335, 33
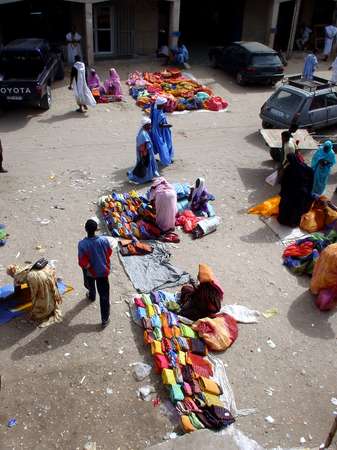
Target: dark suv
250, 62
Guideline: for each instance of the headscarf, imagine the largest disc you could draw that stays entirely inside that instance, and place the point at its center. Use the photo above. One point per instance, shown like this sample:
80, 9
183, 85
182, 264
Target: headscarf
145, 121
114, 75
323, 155
160, 101
93, 79
197, 192
159, 184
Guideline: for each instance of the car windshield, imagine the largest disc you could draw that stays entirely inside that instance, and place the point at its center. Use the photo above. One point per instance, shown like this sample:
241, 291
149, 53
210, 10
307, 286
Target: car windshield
20, 64
286, 101
266, 60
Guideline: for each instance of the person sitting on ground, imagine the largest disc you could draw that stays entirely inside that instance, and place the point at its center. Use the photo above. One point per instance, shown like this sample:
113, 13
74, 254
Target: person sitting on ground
112, 85
296, 191
146, 165
181, 56
94, 254
78, 83
203, 299
310, 65
44, 294
199, 198
322, 161
164, 197
94, 82
2, 170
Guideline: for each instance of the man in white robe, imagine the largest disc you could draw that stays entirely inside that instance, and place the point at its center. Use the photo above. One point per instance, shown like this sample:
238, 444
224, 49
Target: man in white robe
78, 84
73, 46
330, 35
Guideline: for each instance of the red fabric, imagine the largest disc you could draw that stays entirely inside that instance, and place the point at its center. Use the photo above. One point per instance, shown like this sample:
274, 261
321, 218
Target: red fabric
188, 220
215, 104
231, 324
303, 249
160, 362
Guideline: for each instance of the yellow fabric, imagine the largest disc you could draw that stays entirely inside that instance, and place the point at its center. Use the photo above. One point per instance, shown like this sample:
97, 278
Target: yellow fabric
156, 348
186, 424
211, 399
150, 310
205, 274
168, 376
325, 270
218, 339
269, 207
209, 386
182, 358
314, 219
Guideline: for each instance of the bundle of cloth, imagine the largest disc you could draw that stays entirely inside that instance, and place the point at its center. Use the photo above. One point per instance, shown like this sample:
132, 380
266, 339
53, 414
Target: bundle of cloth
111, 91
324, 279
180, 358
182, 93
301, 256
44, 294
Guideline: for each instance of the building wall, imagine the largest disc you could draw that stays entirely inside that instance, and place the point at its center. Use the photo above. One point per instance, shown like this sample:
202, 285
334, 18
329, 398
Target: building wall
146, 26
256, 21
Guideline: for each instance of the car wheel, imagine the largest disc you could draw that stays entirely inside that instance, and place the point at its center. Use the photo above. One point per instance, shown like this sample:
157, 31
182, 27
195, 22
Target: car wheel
213, 62
60, 71
266, 124
46, 100
239, 79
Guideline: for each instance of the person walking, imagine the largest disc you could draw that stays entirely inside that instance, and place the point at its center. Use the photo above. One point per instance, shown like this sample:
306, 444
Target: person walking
2, 170
161, 132
78, 83
310, 65
330, 35
94, 254
322, 161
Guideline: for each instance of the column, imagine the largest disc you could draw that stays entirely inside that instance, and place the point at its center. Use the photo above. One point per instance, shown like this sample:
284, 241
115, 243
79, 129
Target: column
174, 22
273, 23
293, 28
89, 51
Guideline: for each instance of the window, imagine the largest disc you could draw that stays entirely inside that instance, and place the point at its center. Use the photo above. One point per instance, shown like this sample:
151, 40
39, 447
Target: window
266, 60
286, 101
318, 102
331, 99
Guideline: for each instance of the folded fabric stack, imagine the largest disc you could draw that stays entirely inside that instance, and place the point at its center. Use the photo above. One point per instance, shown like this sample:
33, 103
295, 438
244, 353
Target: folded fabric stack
179, 357
129, 215
181, 92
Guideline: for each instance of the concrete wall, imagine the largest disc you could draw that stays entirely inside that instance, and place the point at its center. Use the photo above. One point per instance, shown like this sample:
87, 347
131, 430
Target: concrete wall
146, 26
256, 21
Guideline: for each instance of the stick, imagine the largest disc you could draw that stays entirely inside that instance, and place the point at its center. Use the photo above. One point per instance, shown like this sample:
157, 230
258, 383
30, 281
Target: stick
331, 434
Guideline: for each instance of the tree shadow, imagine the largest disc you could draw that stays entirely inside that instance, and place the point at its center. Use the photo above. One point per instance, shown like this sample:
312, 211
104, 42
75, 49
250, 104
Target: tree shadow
56, 335
303, 314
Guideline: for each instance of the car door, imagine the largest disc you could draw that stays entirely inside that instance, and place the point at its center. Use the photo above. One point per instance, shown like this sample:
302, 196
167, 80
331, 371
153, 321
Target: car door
227, 57
318, 111
331, 103
241, 59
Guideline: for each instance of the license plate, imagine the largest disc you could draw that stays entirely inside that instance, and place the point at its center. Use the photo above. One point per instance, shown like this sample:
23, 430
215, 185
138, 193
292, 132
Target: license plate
14, 97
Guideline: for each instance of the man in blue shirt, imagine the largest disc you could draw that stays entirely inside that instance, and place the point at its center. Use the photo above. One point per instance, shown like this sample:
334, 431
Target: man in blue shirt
94, 254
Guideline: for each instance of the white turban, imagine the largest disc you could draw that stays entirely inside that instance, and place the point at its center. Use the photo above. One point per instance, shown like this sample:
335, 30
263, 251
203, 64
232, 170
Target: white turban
161, 101
145, 121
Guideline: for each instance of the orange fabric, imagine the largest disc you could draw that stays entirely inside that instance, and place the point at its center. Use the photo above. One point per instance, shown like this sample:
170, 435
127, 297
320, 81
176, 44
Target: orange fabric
269, 207
325, 270
205, 274
314, 220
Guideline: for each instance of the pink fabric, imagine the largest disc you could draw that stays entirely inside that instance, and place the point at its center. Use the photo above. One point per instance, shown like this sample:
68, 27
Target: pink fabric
165, 198
113, 84
94, 80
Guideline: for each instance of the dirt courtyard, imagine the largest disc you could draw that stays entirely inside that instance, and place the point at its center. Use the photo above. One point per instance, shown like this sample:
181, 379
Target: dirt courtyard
71, 383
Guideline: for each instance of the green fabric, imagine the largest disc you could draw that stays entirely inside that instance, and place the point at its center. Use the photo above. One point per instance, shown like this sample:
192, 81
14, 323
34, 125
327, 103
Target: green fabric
146, 299
196, 422
187, 331
176, 394
158, 335
172, 306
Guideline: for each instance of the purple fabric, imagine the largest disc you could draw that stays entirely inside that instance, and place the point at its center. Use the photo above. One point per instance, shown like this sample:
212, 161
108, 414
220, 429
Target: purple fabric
113, 84
165, 198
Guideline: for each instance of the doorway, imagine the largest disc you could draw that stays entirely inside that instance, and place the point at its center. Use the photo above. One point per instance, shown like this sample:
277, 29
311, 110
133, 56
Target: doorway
104, 29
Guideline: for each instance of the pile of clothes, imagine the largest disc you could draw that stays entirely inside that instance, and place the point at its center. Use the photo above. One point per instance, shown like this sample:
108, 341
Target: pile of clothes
129, 216
182, 93
180, 358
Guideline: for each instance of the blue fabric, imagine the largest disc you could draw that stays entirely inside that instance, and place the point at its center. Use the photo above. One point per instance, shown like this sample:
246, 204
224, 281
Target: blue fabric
182, 189
161, 137
144, 137
181, 55
94, 254
321, 173
310, 64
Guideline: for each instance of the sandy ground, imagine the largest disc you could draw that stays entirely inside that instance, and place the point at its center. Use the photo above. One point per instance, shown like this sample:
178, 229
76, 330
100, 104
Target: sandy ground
66, 160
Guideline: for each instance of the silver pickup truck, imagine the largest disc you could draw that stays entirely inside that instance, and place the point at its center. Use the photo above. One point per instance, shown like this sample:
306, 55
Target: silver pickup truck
308, 104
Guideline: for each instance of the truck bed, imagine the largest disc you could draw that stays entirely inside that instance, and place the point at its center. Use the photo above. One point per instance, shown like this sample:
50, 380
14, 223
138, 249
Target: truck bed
272, 138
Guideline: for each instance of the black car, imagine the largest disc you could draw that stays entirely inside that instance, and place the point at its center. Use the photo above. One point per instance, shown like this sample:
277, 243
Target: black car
27, 69
250, 62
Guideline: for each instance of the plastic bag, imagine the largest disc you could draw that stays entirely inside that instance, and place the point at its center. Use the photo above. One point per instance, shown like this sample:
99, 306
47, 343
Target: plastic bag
272, 178
327, 299
218, 333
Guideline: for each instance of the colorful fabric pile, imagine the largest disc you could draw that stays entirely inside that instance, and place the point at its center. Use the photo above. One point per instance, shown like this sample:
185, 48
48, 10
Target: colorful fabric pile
301, 256
182, 93
3, 235
179, 356
129, 215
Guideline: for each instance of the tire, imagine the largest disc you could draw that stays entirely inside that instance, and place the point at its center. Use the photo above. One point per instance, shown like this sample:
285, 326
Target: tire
46, 100
59, 75
266, 125
213, 62
239, 79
